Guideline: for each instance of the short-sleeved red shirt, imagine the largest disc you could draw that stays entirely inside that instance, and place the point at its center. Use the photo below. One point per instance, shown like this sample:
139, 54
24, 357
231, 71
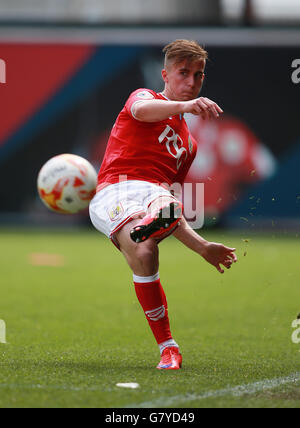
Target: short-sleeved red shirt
160, 152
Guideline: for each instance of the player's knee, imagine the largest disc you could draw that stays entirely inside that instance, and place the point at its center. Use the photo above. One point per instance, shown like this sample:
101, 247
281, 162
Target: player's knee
146, 251
146, 255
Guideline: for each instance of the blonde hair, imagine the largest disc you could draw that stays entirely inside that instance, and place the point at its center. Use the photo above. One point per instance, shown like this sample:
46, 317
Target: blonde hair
180, 50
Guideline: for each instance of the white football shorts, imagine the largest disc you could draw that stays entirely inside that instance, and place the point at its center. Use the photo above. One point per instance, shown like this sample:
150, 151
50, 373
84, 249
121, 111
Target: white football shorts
119, 203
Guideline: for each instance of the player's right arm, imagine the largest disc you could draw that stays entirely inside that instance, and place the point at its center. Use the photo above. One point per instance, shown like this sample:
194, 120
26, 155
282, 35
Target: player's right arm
157, 110
214, 253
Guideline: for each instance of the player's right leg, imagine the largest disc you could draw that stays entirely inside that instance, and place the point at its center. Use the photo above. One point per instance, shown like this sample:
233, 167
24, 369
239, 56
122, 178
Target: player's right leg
143, 259
115, 211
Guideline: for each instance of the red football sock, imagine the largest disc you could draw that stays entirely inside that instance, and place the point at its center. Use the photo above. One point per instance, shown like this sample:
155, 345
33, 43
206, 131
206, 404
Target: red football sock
153, 300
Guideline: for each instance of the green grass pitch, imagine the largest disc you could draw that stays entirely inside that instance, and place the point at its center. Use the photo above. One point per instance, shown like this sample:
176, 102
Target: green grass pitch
75, 330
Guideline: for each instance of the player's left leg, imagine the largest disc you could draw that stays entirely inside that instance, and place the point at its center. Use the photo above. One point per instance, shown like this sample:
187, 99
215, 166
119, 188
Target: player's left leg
143, 259
164, 214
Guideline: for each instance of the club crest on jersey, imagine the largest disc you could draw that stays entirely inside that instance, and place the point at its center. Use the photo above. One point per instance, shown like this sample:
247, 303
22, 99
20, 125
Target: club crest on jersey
191, 145
116, 212
145, 95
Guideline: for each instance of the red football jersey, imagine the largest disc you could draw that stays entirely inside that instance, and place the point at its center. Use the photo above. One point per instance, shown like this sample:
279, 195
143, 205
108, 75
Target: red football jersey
160, 152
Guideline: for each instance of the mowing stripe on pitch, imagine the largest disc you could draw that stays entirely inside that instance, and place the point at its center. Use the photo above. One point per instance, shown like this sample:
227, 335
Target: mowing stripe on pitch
68, 388
235, 391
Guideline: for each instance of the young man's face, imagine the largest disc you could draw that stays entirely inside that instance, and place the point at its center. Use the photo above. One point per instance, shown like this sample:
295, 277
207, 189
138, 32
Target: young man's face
184, 81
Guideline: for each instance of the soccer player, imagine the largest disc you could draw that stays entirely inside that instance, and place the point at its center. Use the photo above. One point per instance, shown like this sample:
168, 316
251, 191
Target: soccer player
149, 150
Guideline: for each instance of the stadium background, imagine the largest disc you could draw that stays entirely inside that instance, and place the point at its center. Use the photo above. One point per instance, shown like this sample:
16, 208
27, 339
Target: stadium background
67, 80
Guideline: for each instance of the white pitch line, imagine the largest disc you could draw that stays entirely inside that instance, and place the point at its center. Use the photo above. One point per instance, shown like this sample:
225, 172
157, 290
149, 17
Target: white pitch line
236, 391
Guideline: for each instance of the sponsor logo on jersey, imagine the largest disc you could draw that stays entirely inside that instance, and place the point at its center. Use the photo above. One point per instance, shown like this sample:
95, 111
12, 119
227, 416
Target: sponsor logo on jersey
191, 145
174, 145
116, 212
145, 95
2, 71
156, 314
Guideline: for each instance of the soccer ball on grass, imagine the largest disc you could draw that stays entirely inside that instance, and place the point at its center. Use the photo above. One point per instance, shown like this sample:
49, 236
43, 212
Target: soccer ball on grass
67, 183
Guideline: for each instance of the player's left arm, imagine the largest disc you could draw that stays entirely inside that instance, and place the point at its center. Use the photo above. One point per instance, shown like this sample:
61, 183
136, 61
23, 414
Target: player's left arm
214, 253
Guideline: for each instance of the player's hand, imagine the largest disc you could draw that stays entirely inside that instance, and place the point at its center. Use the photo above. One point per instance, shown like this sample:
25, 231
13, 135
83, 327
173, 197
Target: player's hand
218, 254
203, 107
